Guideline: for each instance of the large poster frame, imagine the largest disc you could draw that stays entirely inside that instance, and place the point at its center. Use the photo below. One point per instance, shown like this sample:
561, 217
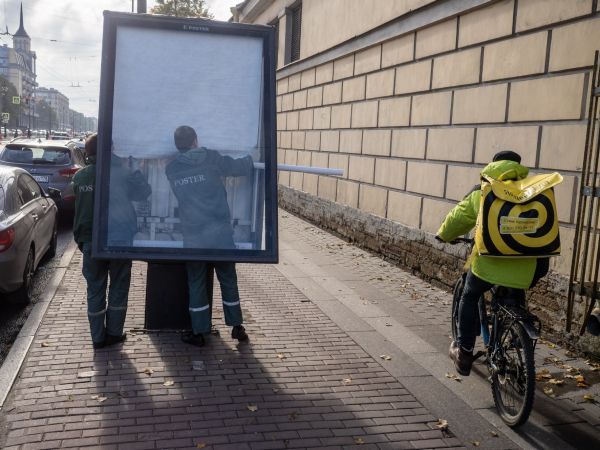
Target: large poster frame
266, 177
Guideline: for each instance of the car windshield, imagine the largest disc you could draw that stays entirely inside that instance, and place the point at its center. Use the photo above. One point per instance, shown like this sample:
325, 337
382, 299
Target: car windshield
36, 155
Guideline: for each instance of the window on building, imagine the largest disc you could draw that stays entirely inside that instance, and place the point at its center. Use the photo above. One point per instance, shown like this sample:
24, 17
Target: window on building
293, 33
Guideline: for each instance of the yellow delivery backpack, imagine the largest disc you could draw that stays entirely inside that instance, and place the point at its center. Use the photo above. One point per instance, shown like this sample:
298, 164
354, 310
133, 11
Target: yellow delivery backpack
518, 218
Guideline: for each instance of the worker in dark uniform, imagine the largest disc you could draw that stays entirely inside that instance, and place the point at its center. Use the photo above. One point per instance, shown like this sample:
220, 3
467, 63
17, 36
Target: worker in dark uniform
125, 183
195, 178
106, 321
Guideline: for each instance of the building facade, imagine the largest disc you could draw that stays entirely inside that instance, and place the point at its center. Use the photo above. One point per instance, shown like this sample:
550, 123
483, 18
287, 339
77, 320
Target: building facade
60, 104
18, 65
412, 99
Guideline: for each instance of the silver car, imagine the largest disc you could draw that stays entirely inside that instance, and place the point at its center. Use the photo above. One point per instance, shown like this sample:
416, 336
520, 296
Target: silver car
51, 163
28, 230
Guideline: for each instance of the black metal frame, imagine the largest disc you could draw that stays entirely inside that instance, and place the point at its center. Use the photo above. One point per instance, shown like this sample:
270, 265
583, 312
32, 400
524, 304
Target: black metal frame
585, 262
114, 20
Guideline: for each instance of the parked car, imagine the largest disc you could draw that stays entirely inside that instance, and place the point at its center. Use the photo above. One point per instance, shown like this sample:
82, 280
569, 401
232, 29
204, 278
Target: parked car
59, 135
28, 229
51, 163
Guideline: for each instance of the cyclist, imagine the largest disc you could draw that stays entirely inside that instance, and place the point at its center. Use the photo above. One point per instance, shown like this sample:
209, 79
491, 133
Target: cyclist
484, 271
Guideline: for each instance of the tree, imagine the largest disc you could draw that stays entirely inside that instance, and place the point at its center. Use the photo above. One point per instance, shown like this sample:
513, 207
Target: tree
182, 8
7, 92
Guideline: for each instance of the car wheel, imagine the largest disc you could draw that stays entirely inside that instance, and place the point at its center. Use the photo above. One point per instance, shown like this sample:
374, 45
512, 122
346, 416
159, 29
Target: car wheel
51, 253
22, 295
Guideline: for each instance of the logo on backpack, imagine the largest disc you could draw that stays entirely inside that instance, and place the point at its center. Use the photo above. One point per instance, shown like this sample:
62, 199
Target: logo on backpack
518, 218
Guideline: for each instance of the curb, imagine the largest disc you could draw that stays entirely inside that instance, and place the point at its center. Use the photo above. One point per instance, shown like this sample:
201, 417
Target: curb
14, 360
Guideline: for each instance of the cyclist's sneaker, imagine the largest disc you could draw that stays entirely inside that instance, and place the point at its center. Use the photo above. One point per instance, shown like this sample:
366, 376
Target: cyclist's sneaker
463, 360
239, 332
196, 340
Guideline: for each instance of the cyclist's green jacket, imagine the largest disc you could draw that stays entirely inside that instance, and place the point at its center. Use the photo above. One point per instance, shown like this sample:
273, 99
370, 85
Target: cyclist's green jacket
509, 272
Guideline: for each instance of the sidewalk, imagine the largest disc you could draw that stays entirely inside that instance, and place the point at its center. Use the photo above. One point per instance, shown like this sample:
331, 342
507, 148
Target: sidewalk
312, 376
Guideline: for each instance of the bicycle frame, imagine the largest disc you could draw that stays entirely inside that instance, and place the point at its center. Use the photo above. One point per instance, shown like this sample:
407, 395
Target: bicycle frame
505, 309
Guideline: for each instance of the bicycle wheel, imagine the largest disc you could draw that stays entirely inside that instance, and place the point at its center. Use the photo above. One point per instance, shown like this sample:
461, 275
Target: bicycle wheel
513, 383
457, 293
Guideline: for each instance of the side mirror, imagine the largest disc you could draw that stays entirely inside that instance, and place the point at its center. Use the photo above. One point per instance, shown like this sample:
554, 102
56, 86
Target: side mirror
54, 194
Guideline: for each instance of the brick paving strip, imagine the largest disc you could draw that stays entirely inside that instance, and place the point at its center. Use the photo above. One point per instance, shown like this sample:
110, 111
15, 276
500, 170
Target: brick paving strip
302, 381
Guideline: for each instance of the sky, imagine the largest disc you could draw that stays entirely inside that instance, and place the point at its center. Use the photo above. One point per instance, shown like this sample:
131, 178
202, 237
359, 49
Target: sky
67, 38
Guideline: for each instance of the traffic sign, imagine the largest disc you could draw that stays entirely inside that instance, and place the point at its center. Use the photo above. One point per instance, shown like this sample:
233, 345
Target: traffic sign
16, 100
5, 117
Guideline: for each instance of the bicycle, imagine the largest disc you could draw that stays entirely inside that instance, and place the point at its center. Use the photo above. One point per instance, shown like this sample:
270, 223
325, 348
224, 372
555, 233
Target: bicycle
510, 334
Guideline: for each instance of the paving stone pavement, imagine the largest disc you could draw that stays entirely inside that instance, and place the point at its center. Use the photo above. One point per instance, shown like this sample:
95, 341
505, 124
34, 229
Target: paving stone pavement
310, 377
390, 288
300, 382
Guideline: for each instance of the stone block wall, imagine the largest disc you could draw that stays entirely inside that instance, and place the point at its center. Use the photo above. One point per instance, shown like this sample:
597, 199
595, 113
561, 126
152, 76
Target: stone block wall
412, 119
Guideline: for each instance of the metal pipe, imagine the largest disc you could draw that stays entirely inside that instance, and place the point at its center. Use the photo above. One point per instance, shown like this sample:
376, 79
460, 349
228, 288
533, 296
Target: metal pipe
305, 169
582, 206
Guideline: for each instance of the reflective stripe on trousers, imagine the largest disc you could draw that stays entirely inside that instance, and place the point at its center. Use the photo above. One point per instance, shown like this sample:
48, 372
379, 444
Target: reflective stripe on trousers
197, 272
105, 318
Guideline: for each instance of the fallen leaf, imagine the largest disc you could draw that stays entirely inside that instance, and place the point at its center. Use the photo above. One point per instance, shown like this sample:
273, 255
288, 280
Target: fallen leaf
582, 385
148, 371
252, 408
347, 380
493, 433
589, 398
359, 440
453, 377
200, 445
100, 398
442, 424
280, 355
476, 443
45, 344
168, 383
549, 392
556, 381
580, 379
293, 415
70, 398
385, 357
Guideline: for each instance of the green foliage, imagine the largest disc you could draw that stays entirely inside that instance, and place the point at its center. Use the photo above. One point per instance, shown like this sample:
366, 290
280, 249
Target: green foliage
182, 8
7, 92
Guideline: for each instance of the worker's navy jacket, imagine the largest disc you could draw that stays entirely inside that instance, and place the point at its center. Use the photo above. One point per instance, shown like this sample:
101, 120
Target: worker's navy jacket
195, 178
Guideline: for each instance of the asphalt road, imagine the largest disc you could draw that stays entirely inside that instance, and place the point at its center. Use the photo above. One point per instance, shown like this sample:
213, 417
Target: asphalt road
12, 317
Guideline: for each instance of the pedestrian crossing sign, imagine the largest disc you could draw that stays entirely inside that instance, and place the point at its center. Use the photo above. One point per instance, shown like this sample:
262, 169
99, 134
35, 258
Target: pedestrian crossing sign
5, 117
16, 100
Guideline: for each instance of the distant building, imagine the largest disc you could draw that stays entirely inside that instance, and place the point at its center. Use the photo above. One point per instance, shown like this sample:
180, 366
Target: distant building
59, 103
18, 65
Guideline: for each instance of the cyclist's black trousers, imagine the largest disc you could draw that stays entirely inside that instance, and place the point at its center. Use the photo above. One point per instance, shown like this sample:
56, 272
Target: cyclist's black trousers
468, 312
